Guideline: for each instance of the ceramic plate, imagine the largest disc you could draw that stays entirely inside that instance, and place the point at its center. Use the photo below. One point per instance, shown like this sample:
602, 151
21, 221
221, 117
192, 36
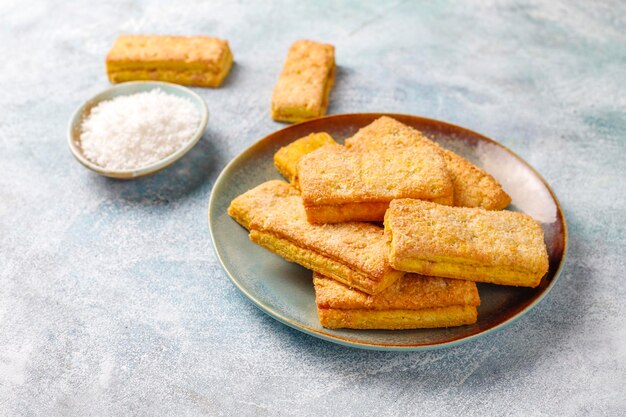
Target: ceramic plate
285, 291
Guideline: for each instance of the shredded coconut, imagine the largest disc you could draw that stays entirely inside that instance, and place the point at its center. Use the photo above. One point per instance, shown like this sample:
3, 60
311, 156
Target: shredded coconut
136, 130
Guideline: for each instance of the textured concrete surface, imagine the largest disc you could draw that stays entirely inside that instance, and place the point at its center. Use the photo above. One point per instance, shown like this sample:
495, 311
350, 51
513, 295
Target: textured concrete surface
113, 303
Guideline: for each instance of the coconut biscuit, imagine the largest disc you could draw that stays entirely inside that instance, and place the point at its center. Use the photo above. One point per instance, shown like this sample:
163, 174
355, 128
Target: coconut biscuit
340, 184
353, 253
473, 187
413, 301
287, 157
500, 247
189, 60
303, 88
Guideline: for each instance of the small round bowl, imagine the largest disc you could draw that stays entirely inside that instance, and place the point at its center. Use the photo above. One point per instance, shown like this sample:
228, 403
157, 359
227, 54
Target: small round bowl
123, 90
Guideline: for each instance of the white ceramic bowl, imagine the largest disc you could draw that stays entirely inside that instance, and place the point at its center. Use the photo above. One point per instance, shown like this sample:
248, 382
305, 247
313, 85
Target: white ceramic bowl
132, 88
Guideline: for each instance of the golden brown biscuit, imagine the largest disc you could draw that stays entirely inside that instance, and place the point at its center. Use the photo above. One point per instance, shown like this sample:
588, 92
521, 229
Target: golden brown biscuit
501, 247
259, 200
387, 132
304, 85
426, 318
353, 253
190, 60
287, 157
339, 184
412, 302
411, 292
473, 187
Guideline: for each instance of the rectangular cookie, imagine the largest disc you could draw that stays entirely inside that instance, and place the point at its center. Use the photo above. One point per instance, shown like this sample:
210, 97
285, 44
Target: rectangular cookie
259, 200
189, 60
500, 247
353, 253
340, 184
287, 157
412, 302
303, 88
473, 187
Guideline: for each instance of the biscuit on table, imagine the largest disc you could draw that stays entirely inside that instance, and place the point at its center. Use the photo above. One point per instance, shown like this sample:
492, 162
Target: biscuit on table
303, 88
412, 302
473, 187
353, 253
340, 184
287, 157
189, 60
500, 247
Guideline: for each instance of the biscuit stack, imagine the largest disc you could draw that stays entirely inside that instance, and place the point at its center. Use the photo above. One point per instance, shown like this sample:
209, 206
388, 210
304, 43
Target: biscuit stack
444, 228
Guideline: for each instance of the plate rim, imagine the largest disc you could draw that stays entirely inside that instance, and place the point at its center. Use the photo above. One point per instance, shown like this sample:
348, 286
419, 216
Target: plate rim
373, 346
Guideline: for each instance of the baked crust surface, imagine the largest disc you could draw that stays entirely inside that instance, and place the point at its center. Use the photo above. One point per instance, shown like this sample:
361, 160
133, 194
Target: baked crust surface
287, 157
473, 187
190, 60
340, 213
354, 253
303, 88
411, 292
501, 247
412, 302
340, 270
363, 212
336, 176
387, 132
259, 200
452, 316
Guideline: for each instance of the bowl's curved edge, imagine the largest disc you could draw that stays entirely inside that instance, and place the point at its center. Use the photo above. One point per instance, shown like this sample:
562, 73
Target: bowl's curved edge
382, 347
147, 170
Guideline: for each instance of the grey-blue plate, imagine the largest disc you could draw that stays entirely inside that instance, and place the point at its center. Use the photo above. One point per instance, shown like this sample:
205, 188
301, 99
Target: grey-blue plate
285, 291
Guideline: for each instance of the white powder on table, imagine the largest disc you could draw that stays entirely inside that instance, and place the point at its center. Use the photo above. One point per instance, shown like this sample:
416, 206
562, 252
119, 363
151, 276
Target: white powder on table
137, 130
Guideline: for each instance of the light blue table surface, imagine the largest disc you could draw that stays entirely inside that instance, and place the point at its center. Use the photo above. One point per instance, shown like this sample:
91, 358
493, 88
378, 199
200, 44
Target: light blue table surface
112, 301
